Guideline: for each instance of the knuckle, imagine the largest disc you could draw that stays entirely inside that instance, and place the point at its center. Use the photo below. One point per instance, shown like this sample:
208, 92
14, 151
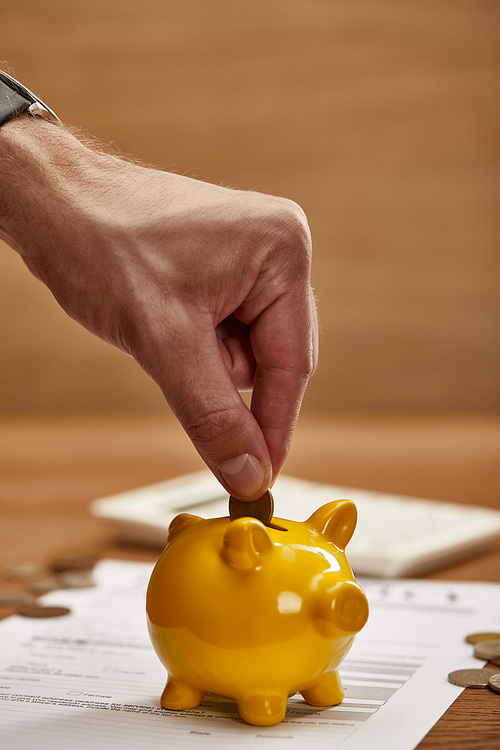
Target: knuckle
300, 371
291, 238
292, 225
309, 364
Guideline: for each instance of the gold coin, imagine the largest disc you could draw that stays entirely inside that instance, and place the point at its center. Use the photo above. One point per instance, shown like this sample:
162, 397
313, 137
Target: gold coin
474, 678
261, 509
477, 637
488, 650
35, 611
494, 682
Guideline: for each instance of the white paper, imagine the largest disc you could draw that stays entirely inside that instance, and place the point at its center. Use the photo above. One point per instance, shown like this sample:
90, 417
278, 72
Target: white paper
92, 680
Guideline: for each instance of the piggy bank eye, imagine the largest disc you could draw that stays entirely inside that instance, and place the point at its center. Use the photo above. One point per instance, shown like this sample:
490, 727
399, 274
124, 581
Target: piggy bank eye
335, 521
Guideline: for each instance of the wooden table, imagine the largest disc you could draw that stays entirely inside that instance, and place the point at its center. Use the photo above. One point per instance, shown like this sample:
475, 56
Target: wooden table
51, 468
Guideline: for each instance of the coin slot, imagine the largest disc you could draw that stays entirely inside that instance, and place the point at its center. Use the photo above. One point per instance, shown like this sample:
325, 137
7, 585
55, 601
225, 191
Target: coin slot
276, 527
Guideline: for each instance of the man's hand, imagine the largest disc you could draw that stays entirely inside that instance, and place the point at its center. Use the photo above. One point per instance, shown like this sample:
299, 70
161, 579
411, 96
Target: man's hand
207, 288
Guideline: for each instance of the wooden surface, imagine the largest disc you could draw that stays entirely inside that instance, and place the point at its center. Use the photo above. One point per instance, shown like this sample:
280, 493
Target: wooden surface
50, 470
379, 117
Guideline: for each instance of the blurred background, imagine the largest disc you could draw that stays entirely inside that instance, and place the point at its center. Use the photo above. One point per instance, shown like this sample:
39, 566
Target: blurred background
379, 117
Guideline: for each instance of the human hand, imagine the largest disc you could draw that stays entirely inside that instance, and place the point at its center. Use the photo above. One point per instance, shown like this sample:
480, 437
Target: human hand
207, 288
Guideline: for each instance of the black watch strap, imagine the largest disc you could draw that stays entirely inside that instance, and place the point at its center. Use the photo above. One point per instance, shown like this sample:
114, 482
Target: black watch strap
16, 98
11, 103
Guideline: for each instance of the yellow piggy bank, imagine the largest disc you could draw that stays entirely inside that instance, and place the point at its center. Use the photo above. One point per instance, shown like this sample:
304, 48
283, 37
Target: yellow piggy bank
255, 613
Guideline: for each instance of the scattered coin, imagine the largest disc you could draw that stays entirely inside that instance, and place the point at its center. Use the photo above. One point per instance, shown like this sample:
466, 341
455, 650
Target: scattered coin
74, 561
494, 682
477, 637
474, 678
14, 598
43, 586
74, 579
488, 650
261, 509
34, 610
21, 570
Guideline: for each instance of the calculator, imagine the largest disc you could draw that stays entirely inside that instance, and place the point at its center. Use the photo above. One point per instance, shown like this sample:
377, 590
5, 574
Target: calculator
396, 535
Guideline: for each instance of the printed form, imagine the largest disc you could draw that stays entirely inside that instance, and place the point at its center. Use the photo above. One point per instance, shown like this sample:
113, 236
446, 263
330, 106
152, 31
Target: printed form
92, 679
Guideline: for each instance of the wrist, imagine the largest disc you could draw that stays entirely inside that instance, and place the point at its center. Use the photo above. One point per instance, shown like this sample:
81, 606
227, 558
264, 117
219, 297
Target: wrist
24, 177
42, 168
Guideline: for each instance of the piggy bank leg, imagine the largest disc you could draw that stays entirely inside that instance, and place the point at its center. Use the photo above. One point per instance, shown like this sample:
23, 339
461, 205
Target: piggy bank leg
262, 710
179, 695
328, 692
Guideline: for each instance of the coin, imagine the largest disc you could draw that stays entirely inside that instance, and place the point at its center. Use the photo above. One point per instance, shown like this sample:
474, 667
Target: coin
488, 650
35, 610
474, 678
494, 682
477, 637
75, 579
14, 598
262, 509
21, 570
74, 561
43, 586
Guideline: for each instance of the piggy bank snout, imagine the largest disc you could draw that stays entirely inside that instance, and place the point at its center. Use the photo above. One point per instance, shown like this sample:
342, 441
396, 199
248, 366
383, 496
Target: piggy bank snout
343, 607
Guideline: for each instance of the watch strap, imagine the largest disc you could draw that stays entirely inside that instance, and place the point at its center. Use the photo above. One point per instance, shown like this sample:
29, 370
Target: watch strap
16, 99
11, 103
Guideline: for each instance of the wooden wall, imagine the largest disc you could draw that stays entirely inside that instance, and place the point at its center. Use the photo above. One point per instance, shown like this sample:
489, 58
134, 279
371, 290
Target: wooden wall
379, 117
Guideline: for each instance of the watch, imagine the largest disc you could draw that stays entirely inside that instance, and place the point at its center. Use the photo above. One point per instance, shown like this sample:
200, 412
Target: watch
16, 99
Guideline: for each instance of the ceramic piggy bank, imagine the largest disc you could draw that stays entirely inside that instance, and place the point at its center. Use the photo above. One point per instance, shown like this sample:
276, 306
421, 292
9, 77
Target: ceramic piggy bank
255, 613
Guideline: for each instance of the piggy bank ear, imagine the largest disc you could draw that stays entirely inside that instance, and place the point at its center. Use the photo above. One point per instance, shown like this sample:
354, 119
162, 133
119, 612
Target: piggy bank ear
246, 542
336, 521
181, 522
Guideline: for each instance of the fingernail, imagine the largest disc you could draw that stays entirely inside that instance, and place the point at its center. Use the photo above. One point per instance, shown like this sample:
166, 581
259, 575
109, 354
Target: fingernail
244, 474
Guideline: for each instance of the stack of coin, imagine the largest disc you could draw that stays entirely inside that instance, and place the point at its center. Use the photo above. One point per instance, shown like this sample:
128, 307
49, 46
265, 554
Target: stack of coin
486, 647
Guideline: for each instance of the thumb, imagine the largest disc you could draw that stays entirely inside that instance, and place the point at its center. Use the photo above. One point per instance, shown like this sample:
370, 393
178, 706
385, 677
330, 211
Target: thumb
200, 392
